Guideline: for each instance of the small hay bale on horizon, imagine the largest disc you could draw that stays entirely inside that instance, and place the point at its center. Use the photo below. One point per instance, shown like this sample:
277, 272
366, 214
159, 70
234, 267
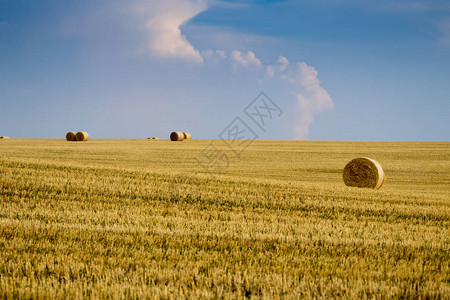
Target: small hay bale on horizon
177, 136
364, 172
4, 137
187, 136
82, 136
71, 136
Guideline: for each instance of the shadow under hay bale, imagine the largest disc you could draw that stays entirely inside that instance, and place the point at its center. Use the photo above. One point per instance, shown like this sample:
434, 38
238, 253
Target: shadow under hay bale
364, 172
82, 136
177, 136
71, 136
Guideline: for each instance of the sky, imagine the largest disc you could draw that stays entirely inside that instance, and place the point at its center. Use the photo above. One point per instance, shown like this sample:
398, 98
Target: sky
337, 70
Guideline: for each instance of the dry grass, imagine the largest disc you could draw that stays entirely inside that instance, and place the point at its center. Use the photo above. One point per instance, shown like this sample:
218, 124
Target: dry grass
278, 223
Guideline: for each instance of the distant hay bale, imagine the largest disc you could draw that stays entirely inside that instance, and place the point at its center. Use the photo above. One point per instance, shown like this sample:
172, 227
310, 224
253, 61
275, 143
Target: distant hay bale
4, 137
152, 138
364, 172
82, 136
187, 136
176, 136
71, 136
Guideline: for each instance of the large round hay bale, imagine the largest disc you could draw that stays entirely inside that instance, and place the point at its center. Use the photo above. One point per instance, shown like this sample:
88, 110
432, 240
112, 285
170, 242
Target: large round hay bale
82, 136
187, 136
4, 137
364, 172
176, 136
71, 136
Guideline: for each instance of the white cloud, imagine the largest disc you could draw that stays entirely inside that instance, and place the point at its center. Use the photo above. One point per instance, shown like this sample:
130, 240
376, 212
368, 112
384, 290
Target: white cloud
221, 54
163, 19
245, 60
312, 98
283, 63
211, 54
281, 66
270, 71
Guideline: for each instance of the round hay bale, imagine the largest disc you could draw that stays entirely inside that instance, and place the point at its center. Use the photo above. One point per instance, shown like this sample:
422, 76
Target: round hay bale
71, 136
187, 136
176, 136
82, 136
364, 172
4, 137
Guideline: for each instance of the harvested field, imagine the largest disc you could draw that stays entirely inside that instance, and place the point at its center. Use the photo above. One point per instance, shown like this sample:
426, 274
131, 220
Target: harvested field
143, 219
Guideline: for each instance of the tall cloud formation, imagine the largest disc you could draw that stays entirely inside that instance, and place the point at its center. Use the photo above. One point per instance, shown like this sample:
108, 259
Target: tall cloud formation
163, 21
311, 100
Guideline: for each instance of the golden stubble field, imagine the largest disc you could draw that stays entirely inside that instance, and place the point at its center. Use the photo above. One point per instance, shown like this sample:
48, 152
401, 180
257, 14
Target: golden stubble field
142, 219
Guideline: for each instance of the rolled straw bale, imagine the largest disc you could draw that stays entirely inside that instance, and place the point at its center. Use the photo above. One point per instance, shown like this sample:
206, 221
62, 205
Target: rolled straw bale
176, 136
364, 172
71, 136
4, 137
82, 136
187, 136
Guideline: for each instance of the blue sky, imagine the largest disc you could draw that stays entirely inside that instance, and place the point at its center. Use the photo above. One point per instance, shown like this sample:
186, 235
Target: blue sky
340, 70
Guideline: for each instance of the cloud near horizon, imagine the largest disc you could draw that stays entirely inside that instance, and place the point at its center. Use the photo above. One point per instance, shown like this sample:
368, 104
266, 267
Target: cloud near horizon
313, 100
